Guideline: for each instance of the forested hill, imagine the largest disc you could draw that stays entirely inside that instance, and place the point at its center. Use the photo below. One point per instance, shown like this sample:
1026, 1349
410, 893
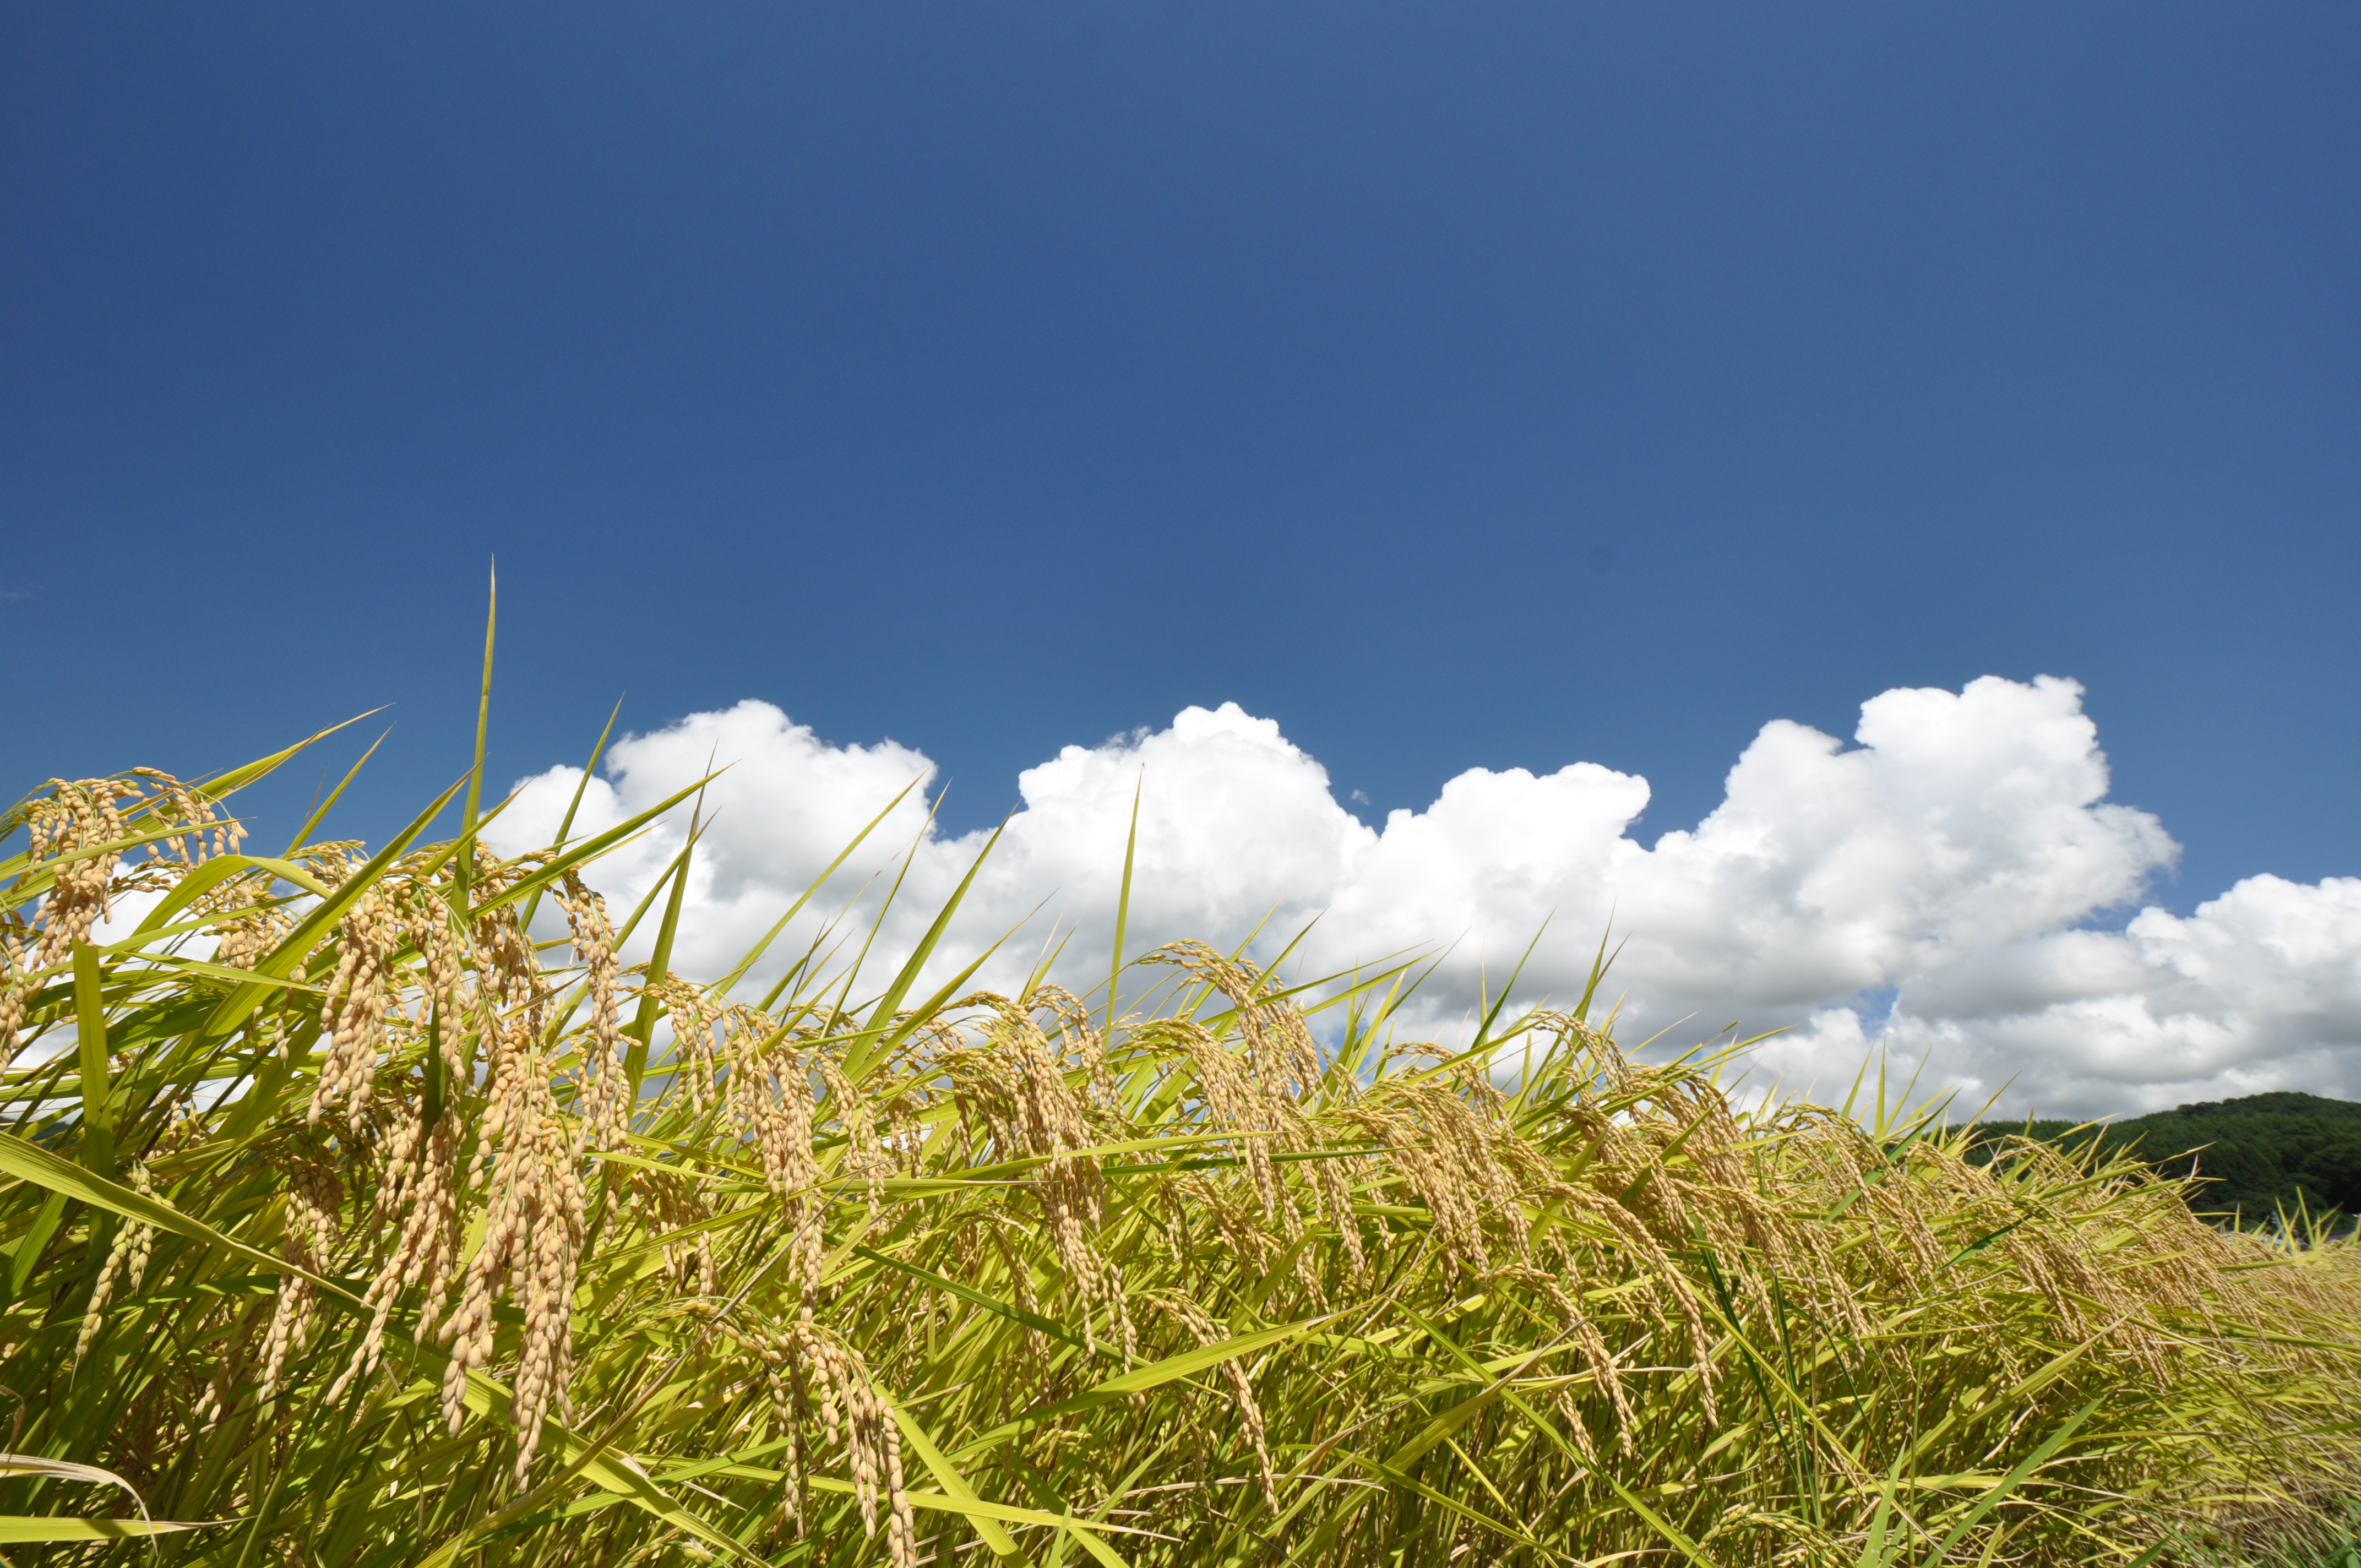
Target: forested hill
2254, 1152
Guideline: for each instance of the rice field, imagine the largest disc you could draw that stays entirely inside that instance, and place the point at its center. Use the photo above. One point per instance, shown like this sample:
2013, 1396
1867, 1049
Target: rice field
344, 1223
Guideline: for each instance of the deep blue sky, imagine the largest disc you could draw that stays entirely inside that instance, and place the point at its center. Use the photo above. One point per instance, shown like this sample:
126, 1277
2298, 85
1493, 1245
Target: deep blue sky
1459, 385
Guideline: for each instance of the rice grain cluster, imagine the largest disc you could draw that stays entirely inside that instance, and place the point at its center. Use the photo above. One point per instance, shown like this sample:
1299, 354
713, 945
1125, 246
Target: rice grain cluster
360, 1210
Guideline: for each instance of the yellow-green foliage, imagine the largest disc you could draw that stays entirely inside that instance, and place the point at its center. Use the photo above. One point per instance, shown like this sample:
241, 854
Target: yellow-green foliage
377, 1237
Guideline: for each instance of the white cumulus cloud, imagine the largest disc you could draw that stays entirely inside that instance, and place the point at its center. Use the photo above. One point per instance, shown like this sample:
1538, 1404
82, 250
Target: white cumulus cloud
1944, 883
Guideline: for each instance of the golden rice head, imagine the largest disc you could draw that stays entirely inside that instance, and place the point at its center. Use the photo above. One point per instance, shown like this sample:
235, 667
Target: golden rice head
1016, 1084
1228, 1097
854, 1412
532, 1230
505, 961
419, 1197
604, 1090
16, 984
1451, 1141
1080, 1034
75, 815
171, 801
440, 981
1206, 1332
225, 1358
127, 1259
867, 1158
769, 1102
1279, 1049
1434, 1139
247, 922
315, 1205
368, 937
672, 1205
697, 1042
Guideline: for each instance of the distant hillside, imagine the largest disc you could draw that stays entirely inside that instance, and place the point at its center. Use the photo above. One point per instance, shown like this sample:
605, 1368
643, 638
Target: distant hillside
2254, 1153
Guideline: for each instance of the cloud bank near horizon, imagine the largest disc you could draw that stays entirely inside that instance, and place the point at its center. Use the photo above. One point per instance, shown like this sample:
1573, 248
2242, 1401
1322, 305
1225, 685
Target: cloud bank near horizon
1942, 884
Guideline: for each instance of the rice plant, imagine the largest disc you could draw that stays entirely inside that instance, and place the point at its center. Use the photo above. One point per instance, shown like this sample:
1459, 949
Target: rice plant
345, 1222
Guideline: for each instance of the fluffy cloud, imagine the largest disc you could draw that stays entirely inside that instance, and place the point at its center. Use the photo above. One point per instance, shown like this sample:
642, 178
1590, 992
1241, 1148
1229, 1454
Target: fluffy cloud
1938, 884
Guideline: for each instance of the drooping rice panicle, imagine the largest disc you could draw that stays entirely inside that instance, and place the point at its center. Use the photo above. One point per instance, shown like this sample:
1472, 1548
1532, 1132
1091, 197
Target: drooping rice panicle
836, 1286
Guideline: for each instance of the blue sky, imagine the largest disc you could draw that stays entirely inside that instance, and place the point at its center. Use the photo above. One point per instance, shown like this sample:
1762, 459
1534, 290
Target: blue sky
1459, 386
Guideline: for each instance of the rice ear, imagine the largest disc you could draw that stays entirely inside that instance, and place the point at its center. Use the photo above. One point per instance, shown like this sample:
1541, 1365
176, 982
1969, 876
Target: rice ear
1170, 1288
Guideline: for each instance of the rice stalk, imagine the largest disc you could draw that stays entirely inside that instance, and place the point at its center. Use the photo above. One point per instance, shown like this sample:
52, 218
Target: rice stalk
381, 1236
